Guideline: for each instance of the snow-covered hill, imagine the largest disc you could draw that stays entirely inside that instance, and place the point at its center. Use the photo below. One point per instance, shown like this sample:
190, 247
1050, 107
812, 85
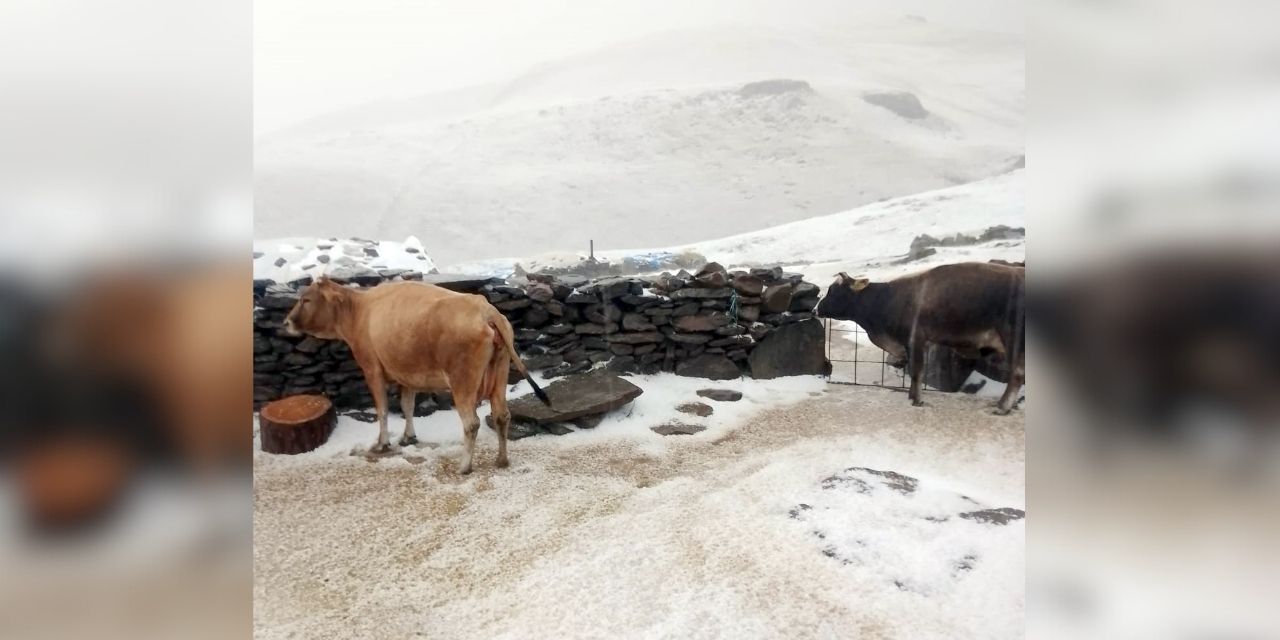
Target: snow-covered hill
672, 139
872, 240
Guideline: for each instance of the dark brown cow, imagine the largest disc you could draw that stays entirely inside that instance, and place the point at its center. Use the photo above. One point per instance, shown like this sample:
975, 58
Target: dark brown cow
423, 338
976, 308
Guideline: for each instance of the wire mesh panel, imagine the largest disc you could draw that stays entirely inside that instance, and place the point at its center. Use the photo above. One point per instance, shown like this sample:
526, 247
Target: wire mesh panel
856, 360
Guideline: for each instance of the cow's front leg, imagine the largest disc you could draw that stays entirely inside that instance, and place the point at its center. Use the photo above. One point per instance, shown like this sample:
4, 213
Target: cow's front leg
378, 388
916, 368
407, 406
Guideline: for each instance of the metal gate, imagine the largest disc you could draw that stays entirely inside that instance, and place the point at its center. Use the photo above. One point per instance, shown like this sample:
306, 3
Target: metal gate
853, 362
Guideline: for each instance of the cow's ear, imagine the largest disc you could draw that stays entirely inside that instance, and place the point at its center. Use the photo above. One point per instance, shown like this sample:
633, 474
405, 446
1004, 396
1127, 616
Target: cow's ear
329, 289
843, 277
333, 295
860, 283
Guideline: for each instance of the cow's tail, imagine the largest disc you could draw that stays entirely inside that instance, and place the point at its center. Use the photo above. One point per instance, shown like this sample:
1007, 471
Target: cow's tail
503, 329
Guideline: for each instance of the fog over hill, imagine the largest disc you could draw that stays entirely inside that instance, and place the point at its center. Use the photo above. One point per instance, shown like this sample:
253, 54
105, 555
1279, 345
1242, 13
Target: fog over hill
674, 138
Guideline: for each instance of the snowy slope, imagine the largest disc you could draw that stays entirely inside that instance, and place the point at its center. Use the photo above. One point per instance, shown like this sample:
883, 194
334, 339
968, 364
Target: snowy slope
868, 240
654, 142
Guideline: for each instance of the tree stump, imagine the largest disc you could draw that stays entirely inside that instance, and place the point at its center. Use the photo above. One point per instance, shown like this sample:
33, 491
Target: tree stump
296, 424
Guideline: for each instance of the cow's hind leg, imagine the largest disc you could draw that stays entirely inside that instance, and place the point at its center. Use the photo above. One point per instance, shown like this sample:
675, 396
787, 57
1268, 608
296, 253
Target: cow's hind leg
501, 420
1017, 377
1016, 357
915, 355
408, 398
465, 403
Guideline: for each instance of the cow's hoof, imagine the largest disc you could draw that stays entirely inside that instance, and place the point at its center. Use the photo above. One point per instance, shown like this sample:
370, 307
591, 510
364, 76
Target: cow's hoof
466, 471
502, 463
408, 440
917, 403
1002, 412
380, 448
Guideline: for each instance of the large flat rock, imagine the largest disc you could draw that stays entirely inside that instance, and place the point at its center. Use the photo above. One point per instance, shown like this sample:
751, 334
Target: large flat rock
576, 396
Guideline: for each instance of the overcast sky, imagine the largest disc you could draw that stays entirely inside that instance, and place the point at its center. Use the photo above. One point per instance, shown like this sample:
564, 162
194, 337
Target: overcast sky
313, 57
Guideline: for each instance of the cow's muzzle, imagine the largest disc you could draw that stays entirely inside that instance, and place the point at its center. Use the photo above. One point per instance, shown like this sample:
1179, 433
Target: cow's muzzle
290, 329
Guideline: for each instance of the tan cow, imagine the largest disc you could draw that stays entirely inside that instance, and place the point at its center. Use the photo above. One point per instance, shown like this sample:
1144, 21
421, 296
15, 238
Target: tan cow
423, 338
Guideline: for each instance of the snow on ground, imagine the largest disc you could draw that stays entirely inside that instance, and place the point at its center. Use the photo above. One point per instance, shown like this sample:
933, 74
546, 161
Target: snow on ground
302, 256
759, 527
662, 392
656, 141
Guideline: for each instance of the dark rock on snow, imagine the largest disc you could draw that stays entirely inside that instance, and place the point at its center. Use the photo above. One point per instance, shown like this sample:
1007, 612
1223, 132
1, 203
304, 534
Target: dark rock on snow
1001, 516
700, 409
677, 429
721, 395
903, 103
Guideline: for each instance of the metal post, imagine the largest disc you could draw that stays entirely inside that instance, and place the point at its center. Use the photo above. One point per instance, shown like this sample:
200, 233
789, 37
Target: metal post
855, 354
882, 365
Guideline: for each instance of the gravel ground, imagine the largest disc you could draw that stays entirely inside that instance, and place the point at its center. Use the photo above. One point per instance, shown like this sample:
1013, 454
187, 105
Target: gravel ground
617, 539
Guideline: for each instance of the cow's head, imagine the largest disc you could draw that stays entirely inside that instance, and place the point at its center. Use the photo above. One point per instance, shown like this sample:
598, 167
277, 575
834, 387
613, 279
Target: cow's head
841, 298
319, 310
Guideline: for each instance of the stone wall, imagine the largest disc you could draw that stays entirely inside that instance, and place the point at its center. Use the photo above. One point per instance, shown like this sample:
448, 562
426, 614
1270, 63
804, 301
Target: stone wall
707, 324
